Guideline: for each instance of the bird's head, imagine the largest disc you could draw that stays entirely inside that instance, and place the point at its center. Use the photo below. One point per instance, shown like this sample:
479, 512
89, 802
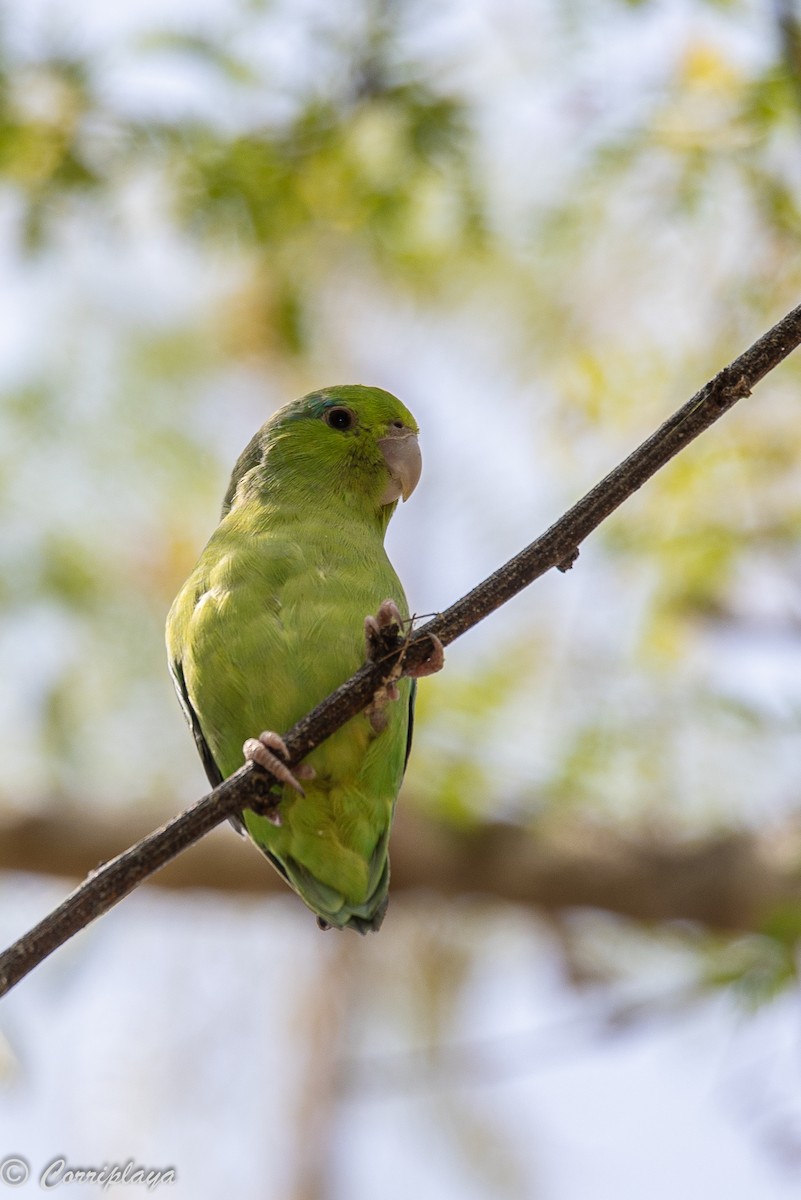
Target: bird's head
347, 444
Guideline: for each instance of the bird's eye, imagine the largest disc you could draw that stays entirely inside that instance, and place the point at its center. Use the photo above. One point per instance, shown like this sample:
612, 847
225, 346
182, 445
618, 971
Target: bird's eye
340, 418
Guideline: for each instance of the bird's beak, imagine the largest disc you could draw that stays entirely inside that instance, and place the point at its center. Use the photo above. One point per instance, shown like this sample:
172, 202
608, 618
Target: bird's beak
401, 452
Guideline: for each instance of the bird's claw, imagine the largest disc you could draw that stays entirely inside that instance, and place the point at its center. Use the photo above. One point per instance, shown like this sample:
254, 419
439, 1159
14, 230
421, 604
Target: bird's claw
430, 665
265, 750
382, 635
382, 631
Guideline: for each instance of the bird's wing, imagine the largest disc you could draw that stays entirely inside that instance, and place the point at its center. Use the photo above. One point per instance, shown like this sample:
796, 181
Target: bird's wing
213, 772
410, 727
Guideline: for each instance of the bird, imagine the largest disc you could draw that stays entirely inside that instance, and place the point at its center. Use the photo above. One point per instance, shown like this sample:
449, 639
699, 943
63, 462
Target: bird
291, 593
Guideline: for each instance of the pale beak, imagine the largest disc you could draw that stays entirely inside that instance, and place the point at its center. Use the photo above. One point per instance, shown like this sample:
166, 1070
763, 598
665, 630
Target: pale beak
401, 453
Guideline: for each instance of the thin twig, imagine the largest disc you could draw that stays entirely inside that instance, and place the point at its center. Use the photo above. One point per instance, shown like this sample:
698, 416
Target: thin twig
557, 547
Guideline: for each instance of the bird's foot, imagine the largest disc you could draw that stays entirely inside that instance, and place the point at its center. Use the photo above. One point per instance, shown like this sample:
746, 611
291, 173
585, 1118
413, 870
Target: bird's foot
382, 634
430, 665
265, 750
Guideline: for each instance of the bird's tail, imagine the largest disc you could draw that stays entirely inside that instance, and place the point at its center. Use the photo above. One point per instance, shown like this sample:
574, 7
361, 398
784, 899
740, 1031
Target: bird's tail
334, 910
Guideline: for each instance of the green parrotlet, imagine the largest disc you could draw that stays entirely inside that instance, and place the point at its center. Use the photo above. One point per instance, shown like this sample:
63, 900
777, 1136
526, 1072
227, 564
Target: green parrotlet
275, 616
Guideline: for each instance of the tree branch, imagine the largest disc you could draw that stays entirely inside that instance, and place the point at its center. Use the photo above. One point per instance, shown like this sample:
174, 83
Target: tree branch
557, 547
731, 881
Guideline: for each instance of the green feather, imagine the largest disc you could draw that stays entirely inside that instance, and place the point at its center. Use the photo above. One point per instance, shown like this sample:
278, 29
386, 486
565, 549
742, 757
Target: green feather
272, 619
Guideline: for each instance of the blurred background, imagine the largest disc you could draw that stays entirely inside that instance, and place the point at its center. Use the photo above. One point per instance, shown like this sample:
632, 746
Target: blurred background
543, 224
